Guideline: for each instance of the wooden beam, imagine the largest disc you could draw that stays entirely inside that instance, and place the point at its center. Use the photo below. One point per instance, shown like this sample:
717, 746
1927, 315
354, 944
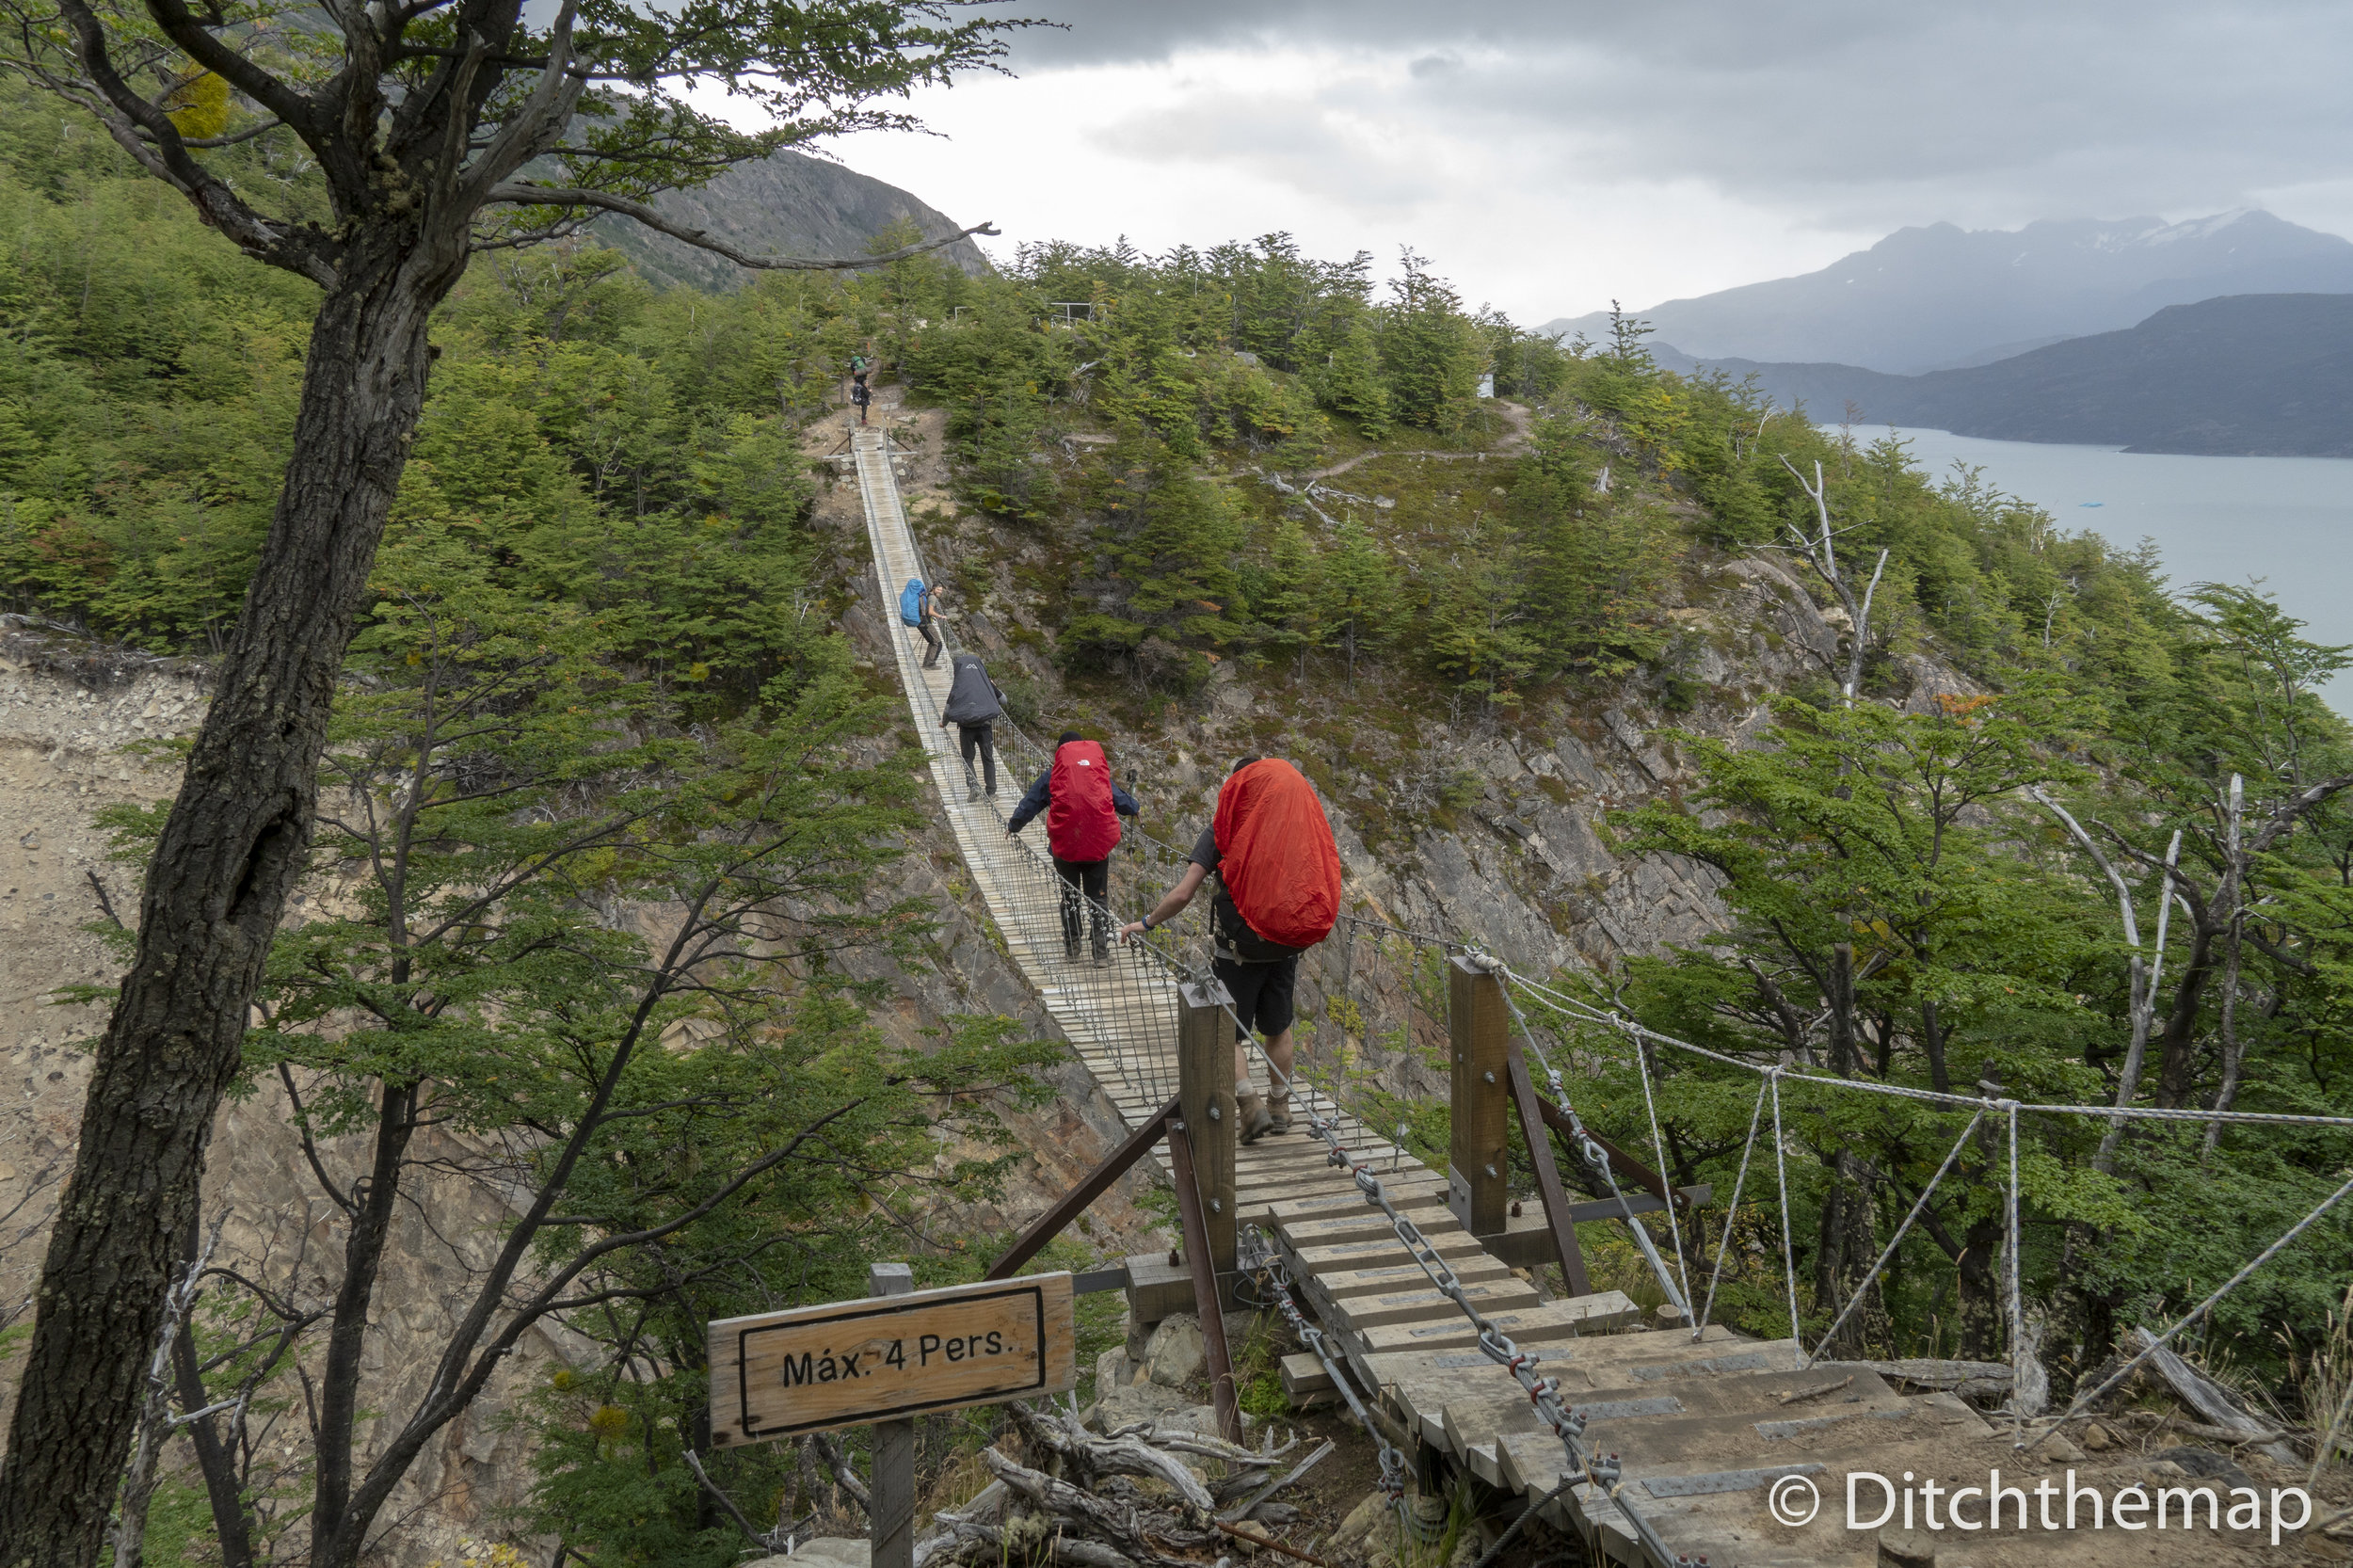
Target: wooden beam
1621, 1162
1209, 1286
1478, 1030
1204, 1098
1076, 1201
1532, 1127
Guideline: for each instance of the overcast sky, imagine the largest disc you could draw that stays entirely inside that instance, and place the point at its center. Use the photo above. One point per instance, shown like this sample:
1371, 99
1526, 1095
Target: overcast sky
1548, 157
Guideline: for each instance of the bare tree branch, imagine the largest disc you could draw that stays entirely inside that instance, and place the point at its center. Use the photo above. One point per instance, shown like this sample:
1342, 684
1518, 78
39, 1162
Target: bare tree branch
514, 194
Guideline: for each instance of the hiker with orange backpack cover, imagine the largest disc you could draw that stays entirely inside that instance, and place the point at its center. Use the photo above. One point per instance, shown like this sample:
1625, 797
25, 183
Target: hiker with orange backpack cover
1278, 872
1082, 805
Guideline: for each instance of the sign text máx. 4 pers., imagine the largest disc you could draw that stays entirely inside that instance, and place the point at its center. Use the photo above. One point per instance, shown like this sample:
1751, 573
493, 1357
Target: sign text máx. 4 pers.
849, 1363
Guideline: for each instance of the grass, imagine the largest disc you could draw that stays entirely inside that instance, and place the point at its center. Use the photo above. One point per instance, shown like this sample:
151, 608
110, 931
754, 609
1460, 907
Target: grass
1258, 1370
2324, 1385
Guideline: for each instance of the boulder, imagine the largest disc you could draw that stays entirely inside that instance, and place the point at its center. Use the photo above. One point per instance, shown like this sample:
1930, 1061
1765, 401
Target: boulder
1130, 1403
1176, 1352
832, 1552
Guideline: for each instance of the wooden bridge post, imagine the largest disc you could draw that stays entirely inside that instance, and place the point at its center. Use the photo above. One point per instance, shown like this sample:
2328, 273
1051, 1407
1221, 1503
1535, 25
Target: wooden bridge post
1201, 1158
1204, 1090
1479, 1034
892, 1519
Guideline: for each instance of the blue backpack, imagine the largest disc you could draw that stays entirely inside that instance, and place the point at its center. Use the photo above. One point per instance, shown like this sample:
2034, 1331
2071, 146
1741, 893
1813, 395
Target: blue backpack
911, 601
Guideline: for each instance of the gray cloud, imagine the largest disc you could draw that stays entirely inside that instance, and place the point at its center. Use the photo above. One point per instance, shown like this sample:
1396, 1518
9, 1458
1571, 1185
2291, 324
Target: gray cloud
1845, 115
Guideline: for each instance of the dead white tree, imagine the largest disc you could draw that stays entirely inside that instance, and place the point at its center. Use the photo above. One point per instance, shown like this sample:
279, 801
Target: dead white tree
2143, 976
156, 1421
1821, 553
2234, 921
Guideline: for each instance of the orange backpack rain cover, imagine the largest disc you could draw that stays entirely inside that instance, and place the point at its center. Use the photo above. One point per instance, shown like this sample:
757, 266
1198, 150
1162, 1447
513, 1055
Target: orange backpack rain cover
1275, 854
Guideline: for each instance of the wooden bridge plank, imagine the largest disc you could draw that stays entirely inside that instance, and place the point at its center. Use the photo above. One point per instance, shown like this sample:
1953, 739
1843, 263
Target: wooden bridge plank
1551, 1322
1358, 1314
1427, 1193
1400, 1275
1375, 1252
1397, 1364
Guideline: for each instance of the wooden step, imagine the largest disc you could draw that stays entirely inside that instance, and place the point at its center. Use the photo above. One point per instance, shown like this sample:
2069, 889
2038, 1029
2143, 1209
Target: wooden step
1435, 1224
1397, 1364
1543, 1324
1428, 1192
1343, 1255
1394, 1276
1360, 1314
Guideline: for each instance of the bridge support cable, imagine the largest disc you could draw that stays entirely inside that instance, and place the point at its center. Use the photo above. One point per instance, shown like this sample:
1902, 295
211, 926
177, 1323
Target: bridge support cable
2014, 1241
1780, 1174
2012, 1110
1643, 1064
1262, 1261
1731, 1212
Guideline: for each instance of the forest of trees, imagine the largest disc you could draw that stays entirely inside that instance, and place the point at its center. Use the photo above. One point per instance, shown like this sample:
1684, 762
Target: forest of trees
610, 476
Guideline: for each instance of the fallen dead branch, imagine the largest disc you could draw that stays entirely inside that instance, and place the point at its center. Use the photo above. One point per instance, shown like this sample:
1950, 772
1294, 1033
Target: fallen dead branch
1130, 1498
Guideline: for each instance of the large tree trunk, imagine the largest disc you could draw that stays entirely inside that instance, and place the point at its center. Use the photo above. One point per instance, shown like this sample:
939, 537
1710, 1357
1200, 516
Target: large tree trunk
229, 857
1845, 1248
1981, 1307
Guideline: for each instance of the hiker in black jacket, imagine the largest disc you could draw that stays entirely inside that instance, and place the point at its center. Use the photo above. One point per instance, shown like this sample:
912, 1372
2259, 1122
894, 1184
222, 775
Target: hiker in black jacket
973, 704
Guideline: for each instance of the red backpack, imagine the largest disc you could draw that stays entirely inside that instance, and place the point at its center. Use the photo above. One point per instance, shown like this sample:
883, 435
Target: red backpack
1081, 822
1276, 857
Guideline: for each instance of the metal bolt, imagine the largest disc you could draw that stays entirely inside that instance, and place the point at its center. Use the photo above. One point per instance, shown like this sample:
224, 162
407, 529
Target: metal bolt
1216, 1208
1213, 1114
1489, 1077
1490, 1169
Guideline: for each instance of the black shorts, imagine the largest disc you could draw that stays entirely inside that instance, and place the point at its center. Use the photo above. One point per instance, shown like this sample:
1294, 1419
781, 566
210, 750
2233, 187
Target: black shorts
1261, 993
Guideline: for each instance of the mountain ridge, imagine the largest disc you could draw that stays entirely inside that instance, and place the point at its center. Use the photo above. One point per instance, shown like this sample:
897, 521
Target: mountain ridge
1926, 298
2238, 376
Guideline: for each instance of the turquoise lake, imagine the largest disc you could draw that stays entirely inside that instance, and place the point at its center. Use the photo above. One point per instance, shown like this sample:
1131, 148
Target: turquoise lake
2284, 522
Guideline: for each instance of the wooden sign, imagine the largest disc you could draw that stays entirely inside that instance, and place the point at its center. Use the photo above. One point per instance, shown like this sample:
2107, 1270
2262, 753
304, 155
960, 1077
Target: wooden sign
850, 1363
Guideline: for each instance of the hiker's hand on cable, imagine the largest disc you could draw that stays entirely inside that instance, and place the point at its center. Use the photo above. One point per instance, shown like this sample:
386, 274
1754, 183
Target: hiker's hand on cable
1132, 930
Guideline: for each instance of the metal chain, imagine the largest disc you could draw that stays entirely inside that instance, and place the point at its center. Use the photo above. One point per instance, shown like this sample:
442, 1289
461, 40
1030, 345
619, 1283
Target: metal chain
1264, 1259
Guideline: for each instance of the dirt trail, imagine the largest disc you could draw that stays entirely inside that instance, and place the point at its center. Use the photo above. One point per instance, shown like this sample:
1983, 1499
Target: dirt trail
1514, 414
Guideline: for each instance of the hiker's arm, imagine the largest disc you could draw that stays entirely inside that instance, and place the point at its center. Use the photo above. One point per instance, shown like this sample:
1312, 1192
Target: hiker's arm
1172, 905
1034, 800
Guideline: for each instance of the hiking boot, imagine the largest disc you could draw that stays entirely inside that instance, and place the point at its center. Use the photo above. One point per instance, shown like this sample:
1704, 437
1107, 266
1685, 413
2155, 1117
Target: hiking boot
1278, 1112
1256, 1123
1070, 946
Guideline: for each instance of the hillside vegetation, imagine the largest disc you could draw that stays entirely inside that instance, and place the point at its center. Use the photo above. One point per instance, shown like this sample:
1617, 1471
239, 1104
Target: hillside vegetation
607, 511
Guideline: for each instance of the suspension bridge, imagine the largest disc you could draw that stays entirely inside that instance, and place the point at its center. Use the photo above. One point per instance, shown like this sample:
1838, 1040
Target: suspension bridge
1412, 1287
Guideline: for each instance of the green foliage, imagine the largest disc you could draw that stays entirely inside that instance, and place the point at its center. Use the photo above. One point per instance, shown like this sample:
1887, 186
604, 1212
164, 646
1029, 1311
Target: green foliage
699, 1098
1431, 354
148, 381
1903, 911
1600, 565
